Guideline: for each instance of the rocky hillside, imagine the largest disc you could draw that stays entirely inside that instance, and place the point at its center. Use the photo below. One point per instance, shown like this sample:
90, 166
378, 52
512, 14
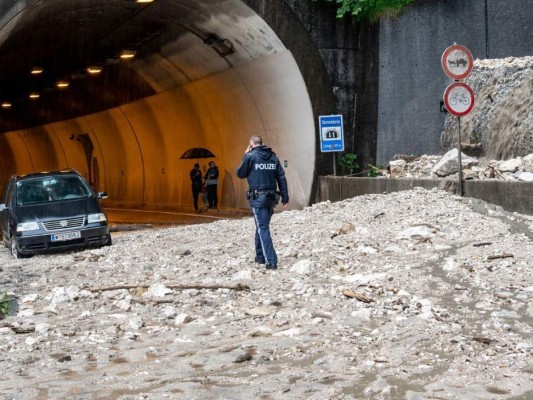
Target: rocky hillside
412, 295
502, 118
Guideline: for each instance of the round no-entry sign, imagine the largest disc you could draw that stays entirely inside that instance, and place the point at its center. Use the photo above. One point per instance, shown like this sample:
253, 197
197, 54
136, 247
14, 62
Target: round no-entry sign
457, 62
459, 99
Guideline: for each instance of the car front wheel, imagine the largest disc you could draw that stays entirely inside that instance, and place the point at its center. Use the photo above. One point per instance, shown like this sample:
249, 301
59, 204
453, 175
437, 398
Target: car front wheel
15, 249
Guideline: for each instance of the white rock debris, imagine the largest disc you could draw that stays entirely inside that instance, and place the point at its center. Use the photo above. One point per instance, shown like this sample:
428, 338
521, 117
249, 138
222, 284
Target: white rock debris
447, 166
433, 299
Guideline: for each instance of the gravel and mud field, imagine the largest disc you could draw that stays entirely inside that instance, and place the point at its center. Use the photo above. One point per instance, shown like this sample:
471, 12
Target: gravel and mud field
411, 295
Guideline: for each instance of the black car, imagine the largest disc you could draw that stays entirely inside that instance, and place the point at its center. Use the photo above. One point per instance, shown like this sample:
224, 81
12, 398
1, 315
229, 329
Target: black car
51, 210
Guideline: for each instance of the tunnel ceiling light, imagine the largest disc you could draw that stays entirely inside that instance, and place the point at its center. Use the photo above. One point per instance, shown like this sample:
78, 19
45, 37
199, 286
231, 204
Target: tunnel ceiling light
6, 104
95, 69
144, 1
37, 70
127, 54
34, 95
62, 84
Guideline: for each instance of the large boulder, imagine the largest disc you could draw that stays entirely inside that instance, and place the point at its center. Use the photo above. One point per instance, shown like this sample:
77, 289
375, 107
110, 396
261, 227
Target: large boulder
397, 168
511, 165
449, 163
525, 177
528, 163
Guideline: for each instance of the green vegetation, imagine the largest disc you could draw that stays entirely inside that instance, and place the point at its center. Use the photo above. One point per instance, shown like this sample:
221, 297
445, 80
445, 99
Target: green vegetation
373, 170
349, 164
5, 303
475, 137
370, 10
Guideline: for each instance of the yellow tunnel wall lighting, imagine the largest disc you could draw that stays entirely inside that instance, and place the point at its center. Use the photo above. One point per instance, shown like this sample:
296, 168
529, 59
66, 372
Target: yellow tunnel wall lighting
34, 95
95, 69
62, 84
6, 104
127, 54
37, 70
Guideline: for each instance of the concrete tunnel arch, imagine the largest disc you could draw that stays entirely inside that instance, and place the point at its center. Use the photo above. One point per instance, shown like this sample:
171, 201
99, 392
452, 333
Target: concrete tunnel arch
186, 93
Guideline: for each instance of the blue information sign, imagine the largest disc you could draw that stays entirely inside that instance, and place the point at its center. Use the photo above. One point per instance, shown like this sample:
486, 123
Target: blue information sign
331, 133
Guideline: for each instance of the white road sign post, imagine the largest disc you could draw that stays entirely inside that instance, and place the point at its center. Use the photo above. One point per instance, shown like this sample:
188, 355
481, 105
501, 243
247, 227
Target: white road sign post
331, 135
457, 62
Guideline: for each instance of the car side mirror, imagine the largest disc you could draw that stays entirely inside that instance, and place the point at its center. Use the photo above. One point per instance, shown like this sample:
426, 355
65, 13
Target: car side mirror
102, 195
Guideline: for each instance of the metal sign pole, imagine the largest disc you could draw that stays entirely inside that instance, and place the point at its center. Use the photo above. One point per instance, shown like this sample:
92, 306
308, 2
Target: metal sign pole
457, 63
459, 159
334, 164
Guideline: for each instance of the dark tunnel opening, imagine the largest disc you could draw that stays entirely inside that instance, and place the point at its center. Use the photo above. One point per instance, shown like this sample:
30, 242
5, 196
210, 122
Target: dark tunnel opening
138, 84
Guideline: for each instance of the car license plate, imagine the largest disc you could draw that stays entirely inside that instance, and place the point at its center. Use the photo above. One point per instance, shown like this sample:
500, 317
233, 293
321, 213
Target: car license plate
61, 237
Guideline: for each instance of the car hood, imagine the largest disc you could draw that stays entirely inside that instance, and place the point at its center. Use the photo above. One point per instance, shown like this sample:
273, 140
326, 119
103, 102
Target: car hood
58, 210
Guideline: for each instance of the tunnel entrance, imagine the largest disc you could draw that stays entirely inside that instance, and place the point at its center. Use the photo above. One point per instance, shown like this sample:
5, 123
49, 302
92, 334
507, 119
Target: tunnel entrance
119, 89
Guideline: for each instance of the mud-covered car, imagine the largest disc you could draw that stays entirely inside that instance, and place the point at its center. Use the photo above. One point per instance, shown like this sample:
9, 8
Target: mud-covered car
51, 211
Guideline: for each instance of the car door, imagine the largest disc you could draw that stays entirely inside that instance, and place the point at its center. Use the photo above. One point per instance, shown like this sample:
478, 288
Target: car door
4, 213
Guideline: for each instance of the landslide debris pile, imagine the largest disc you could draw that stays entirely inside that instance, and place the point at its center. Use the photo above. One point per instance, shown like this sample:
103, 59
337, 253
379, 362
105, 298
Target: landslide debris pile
415, 295
447, 166
502, 118
498, 131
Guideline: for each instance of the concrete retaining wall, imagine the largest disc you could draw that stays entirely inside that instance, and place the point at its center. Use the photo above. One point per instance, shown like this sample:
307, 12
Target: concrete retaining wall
348, 54
512, 196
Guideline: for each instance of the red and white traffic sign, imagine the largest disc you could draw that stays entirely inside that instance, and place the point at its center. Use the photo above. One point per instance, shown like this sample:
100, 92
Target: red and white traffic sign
459, 99
457, 62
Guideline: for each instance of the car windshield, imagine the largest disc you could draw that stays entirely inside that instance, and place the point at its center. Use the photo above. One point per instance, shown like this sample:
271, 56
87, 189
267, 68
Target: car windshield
51, 188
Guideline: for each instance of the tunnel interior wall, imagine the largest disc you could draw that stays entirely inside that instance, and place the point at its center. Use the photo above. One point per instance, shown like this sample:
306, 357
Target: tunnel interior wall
137, 147
411, 79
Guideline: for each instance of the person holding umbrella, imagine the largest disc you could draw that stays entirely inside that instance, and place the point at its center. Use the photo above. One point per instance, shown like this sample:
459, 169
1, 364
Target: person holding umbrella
196, 185
211, 181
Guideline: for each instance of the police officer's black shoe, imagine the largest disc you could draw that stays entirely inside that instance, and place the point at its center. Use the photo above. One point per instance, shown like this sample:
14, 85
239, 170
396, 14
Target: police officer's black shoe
271, 267
260, 261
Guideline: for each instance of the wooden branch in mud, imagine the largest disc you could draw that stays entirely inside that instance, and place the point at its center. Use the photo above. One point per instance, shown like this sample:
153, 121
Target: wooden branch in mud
199, 286
497, 256
483, 340
482, 244
357, 295
18, 328
501, 175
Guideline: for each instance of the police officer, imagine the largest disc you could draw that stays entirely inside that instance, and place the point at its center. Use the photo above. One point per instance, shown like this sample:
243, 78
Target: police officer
264, 172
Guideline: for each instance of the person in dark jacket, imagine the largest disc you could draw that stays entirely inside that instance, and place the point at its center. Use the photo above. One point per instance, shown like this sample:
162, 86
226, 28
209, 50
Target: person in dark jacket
261, 166
211, 181
196, 184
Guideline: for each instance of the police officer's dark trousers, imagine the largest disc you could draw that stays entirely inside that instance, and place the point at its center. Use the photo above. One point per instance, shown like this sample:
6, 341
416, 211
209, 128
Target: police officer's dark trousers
264, 248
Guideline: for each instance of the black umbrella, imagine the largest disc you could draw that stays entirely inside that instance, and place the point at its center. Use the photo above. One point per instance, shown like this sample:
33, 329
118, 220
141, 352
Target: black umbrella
197, 152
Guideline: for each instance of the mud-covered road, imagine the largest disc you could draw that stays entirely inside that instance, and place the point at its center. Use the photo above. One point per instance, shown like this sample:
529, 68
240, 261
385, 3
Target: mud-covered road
411, 295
